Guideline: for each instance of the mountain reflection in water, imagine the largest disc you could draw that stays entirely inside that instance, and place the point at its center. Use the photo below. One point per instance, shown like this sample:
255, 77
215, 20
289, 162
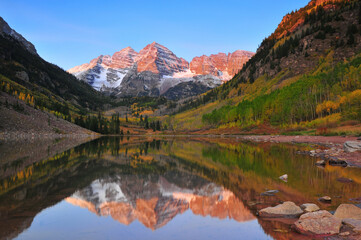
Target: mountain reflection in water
154, 201
157, 181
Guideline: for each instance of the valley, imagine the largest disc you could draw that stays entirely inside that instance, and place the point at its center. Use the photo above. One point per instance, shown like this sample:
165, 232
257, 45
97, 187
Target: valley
201, 140
303, 79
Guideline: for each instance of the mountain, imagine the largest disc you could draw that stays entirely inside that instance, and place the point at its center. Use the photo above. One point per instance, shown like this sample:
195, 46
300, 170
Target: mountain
304, 76
6, 30
221, 65
41, 88
156, 71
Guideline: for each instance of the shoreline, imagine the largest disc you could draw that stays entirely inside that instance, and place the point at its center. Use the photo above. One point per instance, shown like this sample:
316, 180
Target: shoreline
330, 148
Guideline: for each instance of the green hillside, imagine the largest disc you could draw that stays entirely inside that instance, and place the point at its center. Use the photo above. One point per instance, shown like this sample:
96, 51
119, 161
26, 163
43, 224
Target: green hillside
304, 76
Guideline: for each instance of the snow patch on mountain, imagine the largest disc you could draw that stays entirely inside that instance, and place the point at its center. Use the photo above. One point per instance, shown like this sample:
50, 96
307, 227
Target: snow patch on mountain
156, 69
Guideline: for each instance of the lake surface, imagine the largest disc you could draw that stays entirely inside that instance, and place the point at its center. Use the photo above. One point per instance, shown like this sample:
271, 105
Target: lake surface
162, 188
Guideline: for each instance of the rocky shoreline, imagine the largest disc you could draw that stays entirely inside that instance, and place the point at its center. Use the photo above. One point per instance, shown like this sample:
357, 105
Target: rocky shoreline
309, 219
335, 150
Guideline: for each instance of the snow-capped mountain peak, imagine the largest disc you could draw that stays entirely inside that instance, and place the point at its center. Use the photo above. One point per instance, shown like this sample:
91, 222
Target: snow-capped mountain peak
156, 69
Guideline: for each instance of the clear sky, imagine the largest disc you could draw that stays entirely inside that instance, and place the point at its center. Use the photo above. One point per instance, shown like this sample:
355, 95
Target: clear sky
69, 33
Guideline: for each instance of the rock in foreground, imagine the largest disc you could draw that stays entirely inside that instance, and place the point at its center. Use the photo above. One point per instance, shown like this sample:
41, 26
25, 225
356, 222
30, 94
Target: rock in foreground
286, 210
318, 223
352, 146
309, 207
348, 211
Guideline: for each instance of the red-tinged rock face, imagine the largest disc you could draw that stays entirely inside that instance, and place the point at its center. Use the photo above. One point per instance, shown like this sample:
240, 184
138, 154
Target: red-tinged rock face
159, 59
125, 58
202, 65
104, 60
214, 64
321, 2
236, 60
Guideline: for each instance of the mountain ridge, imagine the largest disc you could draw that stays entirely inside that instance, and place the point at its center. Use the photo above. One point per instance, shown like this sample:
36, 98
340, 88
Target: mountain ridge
304, 76
5, 29
153, 66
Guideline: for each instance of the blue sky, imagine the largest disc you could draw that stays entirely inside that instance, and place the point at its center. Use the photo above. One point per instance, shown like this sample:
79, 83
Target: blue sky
69, 33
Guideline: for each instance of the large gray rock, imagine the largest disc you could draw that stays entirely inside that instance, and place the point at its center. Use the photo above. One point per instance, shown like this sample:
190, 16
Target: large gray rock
352, 146
286, 210
353, 223
318, 223
309, 207
22, 75
348, 211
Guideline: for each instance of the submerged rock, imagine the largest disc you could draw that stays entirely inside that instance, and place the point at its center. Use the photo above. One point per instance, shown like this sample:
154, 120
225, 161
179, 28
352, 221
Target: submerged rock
269, 193
352, 146
348, 211
286, 210
309, 207
318, 223
358, 200
345, 180
337, 162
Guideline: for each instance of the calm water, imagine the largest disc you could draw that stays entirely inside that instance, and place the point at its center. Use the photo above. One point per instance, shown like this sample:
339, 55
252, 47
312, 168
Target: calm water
145, 188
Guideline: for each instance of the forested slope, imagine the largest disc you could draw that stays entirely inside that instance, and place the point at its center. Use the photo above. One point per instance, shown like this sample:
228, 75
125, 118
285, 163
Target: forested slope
305, 75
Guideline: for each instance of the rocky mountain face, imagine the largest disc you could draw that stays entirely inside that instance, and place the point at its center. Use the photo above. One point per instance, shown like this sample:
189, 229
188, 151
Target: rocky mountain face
221, 65
156, 71
156, 200
160, 60
6, 30
302, 37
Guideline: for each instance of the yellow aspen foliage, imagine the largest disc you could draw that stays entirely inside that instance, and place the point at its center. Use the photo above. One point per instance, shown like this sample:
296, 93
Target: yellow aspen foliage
355, 97
7, 89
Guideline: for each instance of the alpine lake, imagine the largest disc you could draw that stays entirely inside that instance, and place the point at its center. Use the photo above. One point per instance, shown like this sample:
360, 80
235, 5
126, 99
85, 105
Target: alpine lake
160, 188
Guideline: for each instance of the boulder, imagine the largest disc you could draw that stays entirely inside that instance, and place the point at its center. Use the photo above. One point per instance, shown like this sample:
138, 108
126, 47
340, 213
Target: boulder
318, 223
353, 223
22, 75
352, 146
309, 207
286, 210
348, 211
284, 177
325, 199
